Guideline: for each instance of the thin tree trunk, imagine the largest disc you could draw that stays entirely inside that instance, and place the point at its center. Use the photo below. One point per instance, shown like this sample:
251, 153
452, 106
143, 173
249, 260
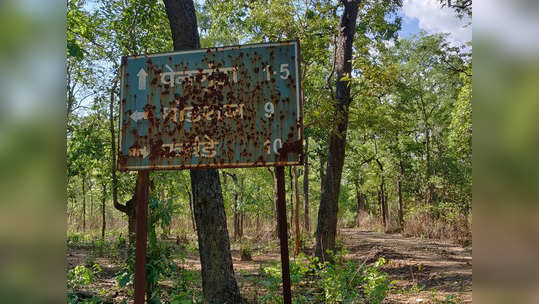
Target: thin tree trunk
382, 196
383, 202
236, 218
399, 189
322, 173
191, 212
429, 172
329, 201
306, 221
91, 219
291, 178
296, 211
103, 211
83, 203
242, 218
129, 207
360, 198
218, 282
276, 231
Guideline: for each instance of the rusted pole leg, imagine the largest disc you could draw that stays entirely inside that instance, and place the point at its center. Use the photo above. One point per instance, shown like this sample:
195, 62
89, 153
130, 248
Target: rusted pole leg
283, 234
140, 250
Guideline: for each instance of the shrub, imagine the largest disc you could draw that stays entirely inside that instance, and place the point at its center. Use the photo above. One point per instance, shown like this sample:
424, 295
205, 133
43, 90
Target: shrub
246, 251
341, 282
82, 276
438, 221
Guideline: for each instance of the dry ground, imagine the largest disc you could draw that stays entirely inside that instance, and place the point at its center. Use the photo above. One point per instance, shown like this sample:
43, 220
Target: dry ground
424, 271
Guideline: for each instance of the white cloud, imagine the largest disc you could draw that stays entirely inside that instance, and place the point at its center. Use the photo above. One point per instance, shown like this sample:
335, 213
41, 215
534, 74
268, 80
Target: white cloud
434, 19
514, 23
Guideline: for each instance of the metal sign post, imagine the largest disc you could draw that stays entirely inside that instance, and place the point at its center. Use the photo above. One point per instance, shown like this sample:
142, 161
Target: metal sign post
141, 236
283, 234
226, 107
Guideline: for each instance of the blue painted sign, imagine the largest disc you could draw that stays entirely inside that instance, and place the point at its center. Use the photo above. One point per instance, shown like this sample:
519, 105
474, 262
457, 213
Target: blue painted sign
236, 106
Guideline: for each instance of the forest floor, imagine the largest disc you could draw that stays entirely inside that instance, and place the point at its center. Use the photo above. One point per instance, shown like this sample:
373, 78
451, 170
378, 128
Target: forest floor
424, 270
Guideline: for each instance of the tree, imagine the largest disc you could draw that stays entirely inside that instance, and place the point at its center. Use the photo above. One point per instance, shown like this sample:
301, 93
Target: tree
218, 281
306, 220
462, 7
327, 214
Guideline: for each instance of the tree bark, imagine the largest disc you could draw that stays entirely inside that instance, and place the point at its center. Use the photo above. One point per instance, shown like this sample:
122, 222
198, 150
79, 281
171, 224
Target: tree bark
218, 282
399, 189
291, 178
83, 203
91, 220
275, 192
327, 213
296, 211
382, 195
103, 211
236, 219
306, 220
360, 198
191, 212
429, 172
129, 207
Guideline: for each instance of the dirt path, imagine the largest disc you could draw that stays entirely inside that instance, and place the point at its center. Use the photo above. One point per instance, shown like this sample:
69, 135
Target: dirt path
425, 271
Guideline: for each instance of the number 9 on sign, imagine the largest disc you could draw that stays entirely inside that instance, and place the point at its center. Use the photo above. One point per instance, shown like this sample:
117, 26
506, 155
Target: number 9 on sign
269, 108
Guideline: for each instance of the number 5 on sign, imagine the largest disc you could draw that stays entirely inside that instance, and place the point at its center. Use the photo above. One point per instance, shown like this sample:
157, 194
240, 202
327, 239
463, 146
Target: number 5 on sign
284, 69
284, 72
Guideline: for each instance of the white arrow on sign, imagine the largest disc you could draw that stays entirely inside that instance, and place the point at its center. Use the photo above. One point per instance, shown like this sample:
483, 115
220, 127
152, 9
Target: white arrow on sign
142, 79
136, 152
145, 152
139, 115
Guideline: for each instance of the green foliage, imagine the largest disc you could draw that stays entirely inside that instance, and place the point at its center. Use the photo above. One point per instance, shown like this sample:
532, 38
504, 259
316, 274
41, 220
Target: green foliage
72, 298
81, 275
341, 282
185, 290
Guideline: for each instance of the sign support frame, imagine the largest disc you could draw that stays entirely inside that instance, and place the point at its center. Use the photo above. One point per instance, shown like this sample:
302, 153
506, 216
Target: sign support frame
283, 233
141, 199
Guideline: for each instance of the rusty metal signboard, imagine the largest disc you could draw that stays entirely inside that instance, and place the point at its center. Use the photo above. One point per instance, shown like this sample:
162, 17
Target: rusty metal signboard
234, 106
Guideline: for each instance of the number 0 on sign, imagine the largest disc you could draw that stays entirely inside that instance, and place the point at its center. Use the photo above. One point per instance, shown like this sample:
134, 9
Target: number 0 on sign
238, 106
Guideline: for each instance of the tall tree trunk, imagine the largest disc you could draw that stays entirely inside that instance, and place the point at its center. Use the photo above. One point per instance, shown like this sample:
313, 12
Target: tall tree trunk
276, 231
129, 207
91, 219
296, 211
83, 203
384, 202
399, 189
291, 178
242, 218
218, 282
329, 204
322, 173
236, 218
191, 212
360, 198
429, 172
382, 196
306, 221
103, 211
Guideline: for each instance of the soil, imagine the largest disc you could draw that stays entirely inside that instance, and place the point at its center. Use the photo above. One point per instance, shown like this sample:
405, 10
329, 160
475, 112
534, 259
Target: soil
423, 270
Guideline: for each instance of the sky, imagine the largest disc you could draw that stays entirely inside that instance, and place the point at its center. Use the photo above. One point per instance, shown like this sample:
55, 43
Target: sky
428, 15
